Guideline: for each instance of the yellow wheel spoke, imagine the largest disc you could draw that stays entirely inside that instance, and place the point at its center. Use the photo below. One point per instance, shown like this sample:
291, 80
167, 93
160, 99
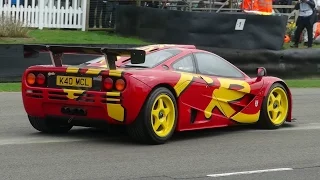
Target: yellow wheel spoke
272, 98
278, 98
160, 104
156, 124
272, 114
164, 124
281, 109
155, 113
166, 111
270, 106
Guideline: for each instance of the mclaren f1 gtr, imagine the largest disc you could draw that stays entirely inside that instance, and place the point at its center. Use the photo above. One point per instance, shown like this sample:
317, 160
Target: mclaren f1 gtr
152, 91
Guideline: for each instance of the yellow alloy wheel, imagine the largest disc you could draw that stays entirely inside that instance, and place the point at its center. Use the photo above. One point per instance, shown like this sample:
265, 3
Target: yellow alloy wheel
278, 106
163, 115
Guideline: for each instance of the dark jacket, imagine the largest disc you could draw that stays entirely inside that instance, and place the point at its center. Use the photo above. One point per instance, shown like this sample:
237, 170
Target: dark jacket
313, 18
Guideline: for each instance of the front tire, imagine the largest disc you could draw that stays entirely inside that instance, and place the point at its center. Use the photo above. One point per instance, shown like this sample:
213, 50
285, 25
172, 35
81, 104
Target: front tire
48, 125
157, 120
275, 108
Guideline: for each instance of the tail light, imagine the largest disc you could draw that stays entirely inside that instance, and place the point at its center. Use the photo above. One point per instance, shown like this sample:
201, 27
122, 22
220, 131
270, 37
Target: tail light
110, 84
38, 79
31, 78
41, 79
120, 84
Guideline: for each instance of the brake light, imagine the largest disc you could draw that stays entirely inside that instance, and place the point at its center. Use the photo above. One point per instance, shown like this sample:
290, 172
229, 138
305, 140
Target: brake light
31, 78
108, 83
120, 84
40, 79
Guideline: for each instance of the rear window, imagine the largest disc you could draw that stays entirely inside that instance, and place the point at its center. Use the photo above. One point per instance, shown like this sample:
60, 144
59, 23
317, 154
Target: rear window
155, 58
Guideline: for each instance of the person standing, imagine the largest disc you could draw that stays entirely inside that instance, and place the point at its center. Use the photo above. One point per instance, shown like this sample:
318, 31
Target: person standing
306, 19
100, 6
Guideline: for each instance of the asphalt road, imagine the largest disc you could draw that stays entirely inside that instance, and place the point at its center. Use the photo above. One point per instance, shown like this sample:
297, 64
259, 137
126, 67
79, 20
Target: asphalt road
292, 152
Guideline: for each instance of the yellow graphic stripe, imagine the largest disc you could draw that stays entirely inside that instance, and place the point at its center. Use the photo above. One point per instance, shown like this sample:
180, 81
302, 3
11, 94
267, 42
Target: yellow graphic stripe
223, 95
185, 80
113, 99
116, 73
116, 111
71, 92
246, 118
113, 93
206, 79
183, 83
72, 70
93, 71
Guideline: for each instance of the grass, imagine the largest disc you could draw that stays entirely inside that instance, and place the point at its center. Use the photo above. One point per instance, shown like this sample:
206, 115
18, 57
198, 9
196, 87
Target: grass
292, 83
12, 28
10, 87
301, 46
52, 36
303, 83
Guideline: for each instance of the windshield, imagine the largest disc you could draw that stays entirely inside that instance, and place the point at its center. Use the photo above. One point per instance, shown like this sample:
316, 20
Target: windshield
155, 58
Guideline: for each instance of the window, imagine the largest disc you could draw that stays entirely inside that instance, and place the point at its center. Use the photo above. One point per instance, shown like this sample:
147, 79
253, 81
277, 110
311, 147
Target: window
216, 66
156, 58
184, 64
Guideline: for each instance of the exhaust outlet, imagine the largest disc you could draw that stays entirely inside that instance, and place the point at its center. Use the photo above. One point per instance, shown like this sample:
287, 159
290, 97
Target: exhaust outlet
65, 110
68, 110
82, 112
73, 111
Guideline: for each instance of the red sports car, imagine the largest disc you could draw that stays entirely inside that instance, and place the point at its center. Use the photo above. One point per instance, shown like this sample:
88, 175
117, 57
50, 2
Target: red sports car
153, 91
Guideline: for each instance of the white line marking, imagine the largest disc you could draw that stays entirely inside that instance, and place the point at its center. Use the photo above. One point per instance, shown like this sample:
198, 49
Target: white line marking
17, 141
249, 172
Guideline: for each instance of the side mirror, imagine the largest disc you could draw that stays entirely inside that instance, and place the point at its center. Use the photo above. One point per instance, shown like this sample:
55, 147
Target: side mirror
261, 71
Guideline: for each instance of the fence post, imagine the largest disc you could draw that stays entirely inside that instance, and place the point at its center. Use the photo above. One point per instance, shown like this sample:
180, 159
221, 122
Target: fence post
41, 11
84, 14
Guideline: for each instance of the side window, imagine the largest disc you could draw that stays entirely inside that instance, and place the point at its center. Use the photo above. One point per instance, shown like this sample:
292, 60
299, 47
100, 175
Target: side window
184, 64
214, 65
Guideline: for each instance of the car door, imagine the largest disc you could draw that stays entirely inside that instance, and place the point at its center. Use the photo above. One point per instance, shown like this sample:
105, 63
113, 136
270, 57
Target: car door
195, 96
228, 86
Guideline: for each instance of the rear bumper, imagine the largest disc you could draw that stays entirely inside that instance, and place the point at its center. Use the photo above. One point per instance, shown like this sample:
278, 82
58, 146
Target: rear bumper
46, 102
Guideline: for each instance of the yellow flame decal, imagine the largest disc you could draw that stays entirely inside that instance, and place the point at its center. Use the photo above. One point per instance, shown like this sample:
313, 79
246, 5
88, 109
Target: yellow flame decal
223, 95
71, 92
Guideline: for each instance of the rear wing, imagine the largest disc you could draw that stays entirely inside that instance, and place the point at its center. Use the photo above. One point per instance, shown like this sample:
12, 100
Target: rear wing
56, 53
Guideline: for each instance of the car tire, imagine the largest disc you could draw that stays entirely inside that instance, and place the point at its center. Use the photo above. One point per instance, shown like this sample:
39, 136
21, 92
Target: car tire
275, 103
156, 124
48, 125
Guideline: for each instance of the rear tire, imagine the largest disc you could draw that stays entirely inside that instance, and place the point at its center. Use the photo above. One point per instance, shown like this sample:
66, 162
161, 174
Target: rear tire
48, 125
275, 108
156, 123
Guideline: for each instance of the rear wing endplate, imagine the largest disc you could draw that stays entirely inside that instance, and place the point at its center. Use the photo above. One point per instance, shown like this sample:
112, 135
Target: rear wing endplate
56, 53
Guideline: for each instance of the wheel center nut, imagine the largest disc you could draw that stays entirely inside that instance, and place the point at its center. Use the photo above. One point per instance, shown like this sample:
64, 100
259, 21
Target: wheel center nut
161, 115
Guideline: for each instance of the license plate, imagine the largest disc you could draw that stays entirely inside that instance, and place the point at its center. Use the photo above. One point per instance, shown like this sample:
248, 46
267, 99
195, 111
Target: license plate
74, 81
